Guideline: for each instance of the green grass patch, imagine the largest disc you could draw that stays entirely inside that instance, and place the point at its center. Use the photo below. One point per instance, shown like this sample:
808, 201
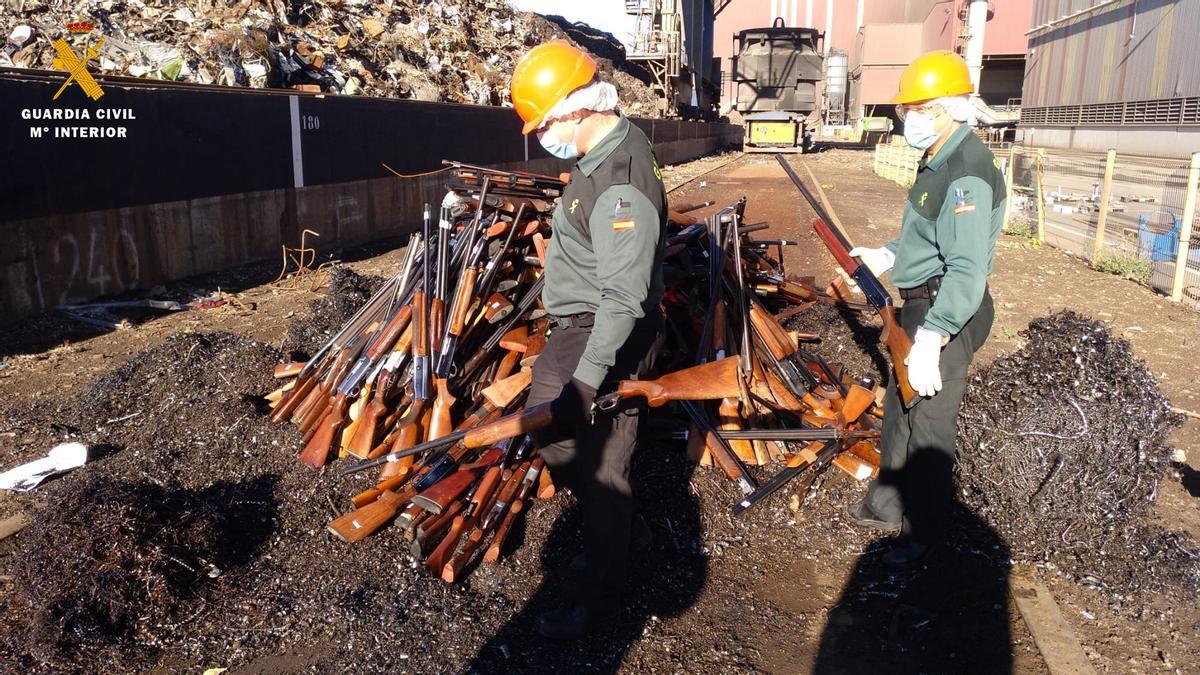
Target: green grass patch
1126, 265
1019, 226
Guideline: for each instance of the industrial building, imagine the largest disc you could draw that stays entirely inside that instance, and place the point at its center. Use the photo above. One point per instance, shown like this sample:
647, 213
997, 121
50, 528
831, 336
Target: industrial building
1113, 74
879, 38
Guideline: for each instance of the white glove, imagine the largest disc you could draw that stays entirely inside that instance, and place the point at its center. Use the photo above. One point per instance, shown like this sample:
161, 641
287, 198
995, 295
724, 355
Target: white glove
924, 375
878, 260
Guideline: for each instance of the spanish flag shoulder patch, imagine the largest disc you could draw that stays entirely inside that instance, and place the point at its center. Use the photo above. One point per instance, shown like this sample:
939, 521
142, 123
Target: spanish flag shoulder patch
623, 224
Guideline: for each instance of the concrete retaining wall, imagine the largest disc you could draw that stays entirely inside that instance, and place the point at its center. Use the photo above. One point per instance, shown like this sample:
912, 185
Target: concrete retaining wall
89, 217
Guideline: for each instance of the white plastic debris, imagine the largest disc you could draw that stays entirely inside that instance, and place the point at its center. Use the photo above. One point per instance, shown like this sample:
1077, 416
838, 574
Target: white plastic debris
62, 458
20, 35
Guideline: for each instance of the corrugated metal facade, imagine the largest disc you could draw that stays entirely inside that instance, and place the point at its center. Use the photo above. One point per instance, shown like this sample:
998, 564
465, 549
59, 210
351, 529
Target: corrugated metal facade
1126, 51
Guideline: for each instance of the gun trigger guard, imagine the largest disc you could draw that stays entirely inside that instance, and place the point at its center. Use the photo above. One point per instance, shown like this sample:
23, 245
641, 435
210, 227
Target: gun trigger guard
607, 402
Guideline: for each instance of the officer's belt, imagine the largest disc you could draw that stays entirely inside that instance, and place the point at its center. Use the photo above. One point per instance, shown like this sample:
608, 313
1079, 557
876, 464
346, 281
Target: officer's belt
926, 291
580, 320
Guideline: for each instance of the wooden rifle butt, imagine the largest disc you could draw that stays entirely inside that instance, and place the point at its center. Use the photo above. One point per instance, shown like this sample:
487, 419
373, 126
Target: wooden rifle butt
452, 571
290, 369
363, 440
492, 554
428, 531
367, 496
516, 340
854, 467
898, 345
501, 393
277, 395
730, 420
362, 522
536, 343
287, 406
436, 498
317, 411
497, 308
440, 422
437, 559
545, 489
507, 364
697, 448
316, 451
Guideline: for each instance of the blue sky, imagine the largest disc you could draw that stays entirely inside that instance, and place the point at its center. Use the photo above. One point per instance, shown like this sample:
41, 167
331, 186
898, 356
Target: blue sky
607, 15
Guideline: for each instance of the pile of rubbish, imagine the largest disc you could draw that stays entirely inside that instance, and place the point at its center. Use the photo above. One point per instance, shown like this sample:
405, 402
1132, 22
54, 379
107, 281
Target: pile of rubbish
1062, 446
427, 379
117, 563
447, 50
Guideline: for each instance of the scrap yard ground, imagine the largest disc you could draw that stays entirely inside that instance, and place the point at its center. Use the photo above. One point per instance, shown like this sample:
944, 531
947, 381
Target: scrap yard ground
767, 594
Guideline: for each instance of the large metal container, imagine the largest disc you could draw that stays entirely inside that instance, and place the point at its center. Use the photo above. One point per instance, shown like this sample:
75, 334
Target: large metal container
777, 69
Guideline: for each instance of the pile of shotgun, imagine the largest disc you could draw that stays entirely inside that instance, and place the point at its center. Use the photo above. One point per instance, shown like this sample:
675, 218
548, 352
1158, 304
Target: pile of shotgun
428, 379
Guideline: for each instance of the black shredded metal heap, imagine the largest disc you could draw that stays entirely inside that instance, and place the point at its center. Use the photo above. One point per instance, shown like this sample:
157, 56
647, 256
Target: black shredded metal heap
347, 291
1062, 445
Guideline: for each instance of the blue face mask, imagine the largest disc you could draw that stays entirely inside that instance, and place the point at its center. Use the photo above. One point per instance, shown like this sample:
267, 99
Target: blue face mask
556, 147
919, 130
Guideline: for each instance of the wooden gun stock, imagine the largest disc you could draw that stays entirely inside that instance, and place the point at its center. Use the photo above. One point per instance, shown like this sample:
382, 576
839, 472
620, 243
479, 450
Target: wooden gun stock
898, 345
366, 520
535, 344
710, 381
499, 496
316, 451
436, 498
283, 370
429, 530
530, 479
497, 309
483, 494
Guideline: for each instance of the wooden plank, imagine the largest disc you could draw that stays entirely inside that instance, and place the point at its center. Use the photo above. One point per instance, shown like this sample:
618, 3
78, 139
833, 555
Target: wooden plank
13, 524
1051, 632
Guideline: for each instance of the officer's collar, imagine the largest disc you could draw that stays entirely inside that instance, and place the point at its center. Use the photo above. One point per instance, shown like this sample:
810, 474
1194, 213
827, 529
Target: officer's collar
600, 152
943, 154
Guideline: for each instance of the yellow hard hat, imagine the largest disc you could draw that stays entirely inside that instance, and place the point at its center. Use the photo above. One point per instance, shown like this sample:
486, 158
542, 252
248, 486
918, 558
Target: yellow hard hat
934, 75
545, 76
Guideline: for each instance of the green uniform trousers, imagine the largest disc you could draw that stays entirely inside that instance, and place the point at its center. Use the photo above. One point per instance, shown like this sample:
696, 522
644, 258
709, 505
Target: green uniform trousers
594, 462
915, 485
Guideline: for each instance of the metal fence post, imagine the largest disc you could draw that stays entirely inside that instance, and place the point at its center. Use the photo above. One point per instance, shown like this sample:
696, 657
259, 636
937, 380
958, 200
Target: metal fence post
1010, 173
1185, 233
1041, 199
1105, 195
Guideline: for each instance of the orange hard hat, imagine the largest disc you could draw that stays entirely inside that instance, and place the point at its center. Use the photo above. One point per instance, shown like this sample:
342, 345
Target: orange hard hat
934, 75
545, 76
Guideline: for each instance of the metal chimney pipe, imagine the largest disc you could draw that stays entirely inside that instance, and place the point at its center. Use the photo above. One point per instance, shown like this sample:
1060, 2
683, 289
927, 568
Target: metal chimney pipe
977, 16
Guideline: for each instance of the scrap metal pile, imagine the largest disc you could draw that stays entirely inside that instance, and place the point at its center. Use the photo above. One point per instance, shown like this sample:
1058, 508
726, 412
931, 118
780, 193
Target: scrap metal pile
428, 379
448, 50
1062, 446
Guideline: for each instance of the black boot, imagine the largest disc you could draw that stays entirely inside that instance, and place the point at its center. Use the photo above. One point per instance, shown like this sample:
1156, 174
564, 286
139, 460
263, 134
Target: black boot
861, 515
907, 554
642, 537
569, 623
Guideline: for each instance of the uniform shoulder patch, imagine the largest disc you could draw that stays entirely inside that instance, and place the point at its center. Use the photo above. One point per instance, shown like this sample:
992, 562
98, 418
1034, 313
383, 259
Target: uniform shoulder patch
963, 203
622, 215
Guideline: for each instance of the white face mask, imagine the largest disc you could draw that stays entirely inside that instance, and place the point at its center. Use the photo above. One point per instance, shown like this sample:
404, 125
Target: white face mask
919, 129
554, 146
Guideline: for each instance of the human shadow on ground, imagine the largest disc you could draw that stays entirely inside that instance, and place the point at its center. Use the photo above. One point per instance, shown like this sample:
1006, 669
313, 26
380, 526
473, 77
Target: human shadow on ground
664, 580
947, 615
1190, 479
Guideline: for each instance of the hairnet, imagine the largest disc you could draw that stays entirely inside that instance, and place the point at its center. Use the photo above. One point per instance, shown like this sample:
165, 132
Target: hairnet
959, 108
598, 96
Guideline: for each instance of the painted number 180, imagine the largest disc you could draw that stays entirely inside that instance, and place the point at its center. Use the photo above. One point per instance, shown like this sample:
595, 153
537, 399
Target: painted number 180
310, 122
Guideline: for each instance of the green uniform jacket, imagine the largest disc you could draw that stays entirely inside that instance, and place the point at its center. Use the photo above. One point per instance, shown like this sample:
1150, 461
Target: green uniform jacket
951, 222
606, 250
